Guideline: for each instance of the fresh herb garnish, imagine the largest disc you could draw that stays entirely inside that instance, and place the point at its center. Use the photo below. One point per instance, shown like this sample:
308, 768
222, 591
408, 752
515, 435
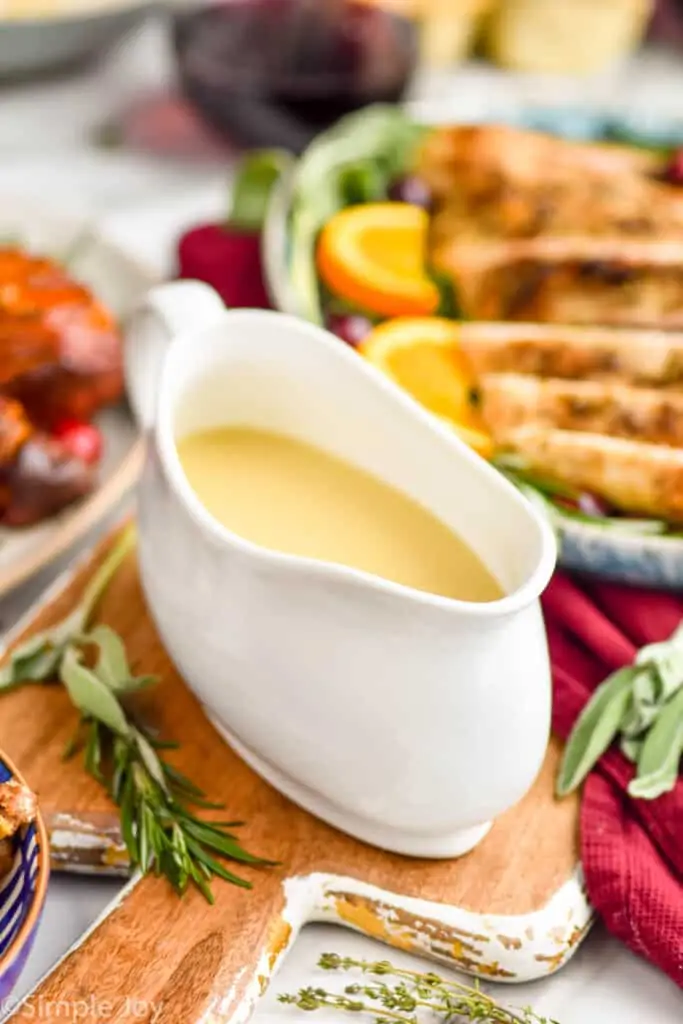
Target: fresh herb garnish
642, 706
360, 182
550, 497
409, 994
162, 834
255, 178
353, 162
336, 306
449, 306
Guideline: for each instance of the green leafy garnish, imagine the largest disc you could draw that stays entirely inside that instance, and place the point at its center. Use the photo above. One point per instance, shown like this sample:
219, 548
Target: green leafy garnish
408, 998
449, 306
162, 834
255, 177
660, 755
354, 162
549, 495
334, 304
39, 658
595, 729
642, 705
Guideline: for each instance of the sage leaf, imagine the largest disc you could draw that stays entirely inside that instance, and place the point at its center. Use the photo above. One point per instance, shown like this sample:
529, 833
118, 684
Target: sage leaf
112, 660
631, 747
90, 695
661, 753
667, 659
33, 662
645, 703
34, 645
37, 659
596, 727
151, 760
154, 798
135, 683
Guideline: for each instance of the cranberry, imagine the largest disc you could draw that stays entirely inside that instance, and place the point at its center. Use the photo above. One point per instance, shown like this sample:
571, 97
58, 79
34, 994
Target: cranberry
411, 189
228, 260
673, 173
352, 328
592, 505
82, 440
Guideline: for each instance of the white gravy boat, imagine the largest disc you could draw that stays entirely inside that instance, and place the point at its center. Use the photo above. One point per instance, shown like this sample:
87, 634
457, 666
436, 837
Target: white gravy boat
408, 720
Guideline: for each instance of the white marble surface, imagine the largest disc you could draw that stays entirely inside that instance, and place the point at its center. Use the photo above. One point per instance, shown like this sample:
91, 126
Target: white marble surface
144, 203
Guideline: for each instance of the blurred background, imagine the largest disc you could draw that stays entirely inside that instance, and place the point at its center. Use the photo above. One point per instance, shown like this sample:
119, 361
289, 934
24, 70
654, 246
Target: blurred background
125, 105
214, 74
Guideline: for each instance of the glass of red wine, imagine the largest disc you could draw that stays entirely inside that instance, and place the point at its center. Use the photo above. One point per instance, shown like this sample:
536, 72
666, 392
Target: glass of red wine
274, 73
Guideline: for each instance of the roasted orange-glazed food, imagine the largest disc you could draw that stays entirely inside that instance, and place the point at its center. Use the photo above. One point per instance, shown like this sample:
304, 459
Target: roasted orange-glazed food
60, 362
567, 260
548, 326
494, 181
17, 808
536, 228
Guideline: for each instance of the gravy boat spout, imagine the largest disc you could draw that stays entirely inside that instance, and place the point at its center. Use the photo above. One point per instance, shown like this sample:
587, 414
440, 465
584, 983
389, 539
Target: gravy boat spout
407, 719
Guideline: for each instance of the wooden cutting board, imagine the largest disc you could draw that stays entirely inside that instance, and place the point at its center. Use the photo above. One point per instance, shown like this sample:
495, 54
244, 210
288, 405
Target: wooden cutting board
514, 909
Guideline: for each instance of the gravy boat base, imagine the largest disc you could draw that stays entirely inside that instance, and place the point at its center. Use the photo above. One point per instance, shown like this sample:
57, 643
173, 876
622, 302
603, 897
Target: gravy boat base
406, 843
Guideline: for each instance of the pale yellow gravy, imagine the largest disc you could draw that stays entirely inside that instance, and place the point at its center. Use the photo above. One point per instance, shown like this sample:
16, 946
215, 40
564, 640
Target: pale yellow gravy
294, 498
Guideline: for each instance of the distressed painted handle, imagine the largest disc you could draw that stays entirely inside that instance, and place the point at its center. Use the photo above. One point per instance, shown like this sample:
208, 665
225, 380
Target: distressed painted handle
87, 843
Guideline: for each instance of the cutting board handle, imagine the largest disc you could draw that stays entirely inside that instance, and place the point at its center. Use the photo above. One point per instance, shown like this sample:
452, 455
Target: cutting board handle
506, 911
202, 963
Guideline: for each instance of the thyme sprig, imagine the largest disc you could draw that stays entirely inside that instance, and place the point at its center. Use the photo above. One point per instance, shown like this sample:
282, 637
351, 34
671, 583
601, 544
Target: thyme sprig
161, 832
406, 995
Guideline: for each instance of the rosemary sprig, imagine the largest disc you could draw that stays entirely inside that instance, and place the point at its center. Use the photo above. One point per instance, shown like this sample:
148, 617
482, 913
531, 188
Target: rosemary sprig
401, 1000
641, 705
162, 834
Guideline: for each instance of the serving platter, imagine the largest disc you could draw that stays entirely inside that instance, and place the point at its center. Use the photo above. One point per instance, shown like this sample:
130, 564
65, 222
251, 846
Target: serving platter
637, 558
513, 910
120, 281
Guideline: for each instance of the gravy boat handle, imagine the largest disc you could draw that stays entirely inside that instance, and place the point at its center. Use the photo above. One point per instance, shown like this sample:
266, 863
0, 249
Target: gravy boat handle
166, 312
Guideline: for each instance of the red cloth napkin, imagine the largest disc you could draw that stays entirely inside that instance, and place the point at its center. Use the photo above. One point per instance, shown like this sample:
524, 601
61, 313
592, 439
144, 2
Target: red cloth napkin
631, 850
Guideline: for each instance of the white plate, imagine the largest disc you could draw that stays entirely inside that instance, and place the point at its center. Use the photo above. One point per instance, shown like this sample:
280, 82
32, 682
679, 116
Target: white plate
119, 281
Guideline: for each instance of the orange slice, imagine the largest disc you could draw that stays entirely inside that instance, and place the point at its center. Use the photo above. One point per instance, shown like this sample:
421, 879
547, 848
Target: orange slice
422, 355
373, 256
480, 440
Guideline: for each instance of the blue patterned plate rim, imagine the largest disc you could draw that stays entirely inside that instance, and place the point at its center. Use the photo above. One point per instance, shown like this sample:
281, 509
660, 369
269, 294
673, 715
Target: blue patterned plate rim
638, 127
42, 878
